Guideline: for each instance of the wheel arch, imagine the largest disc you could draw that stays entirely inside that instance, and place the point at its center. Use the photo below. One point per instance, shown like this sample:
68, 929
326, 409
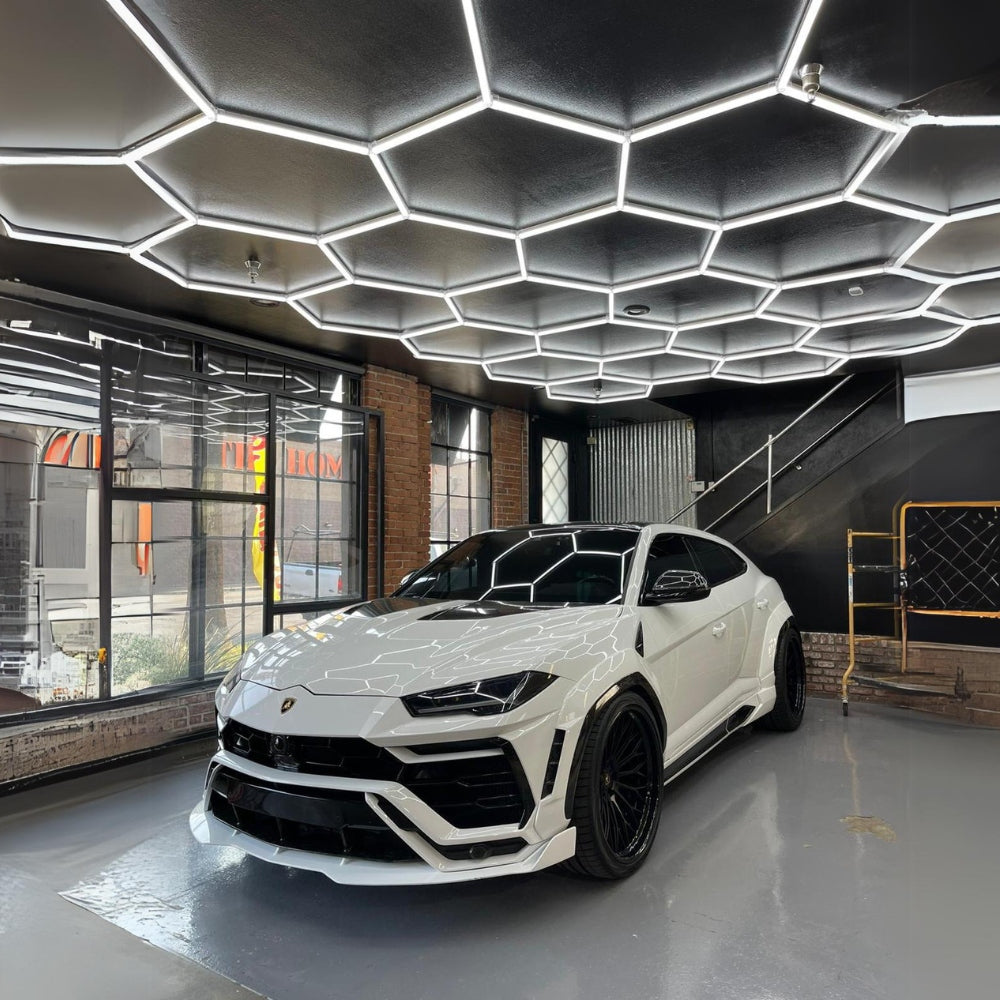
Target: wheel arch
632, 682
781, 618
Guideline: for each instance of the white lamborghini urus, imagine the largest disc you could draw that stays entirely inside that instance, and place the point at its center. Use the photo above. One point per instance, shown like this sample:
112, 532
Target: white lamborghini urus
517, 703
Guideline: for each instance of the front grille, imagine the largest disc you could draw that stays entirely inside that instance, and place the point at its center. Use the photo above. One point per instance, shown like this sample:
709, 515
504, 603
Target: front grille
344, 757
323, 821
466, 791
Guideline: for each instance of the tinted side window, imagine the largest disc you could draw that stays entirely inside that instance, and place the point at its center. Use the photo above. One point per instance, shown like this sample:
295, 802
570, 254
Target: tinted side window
717, 563
666, 552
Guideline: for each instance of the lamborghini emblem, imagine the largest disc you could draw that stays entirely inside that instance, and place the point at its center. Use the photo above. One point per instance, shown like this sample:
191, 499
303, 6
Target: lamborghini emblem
287, 704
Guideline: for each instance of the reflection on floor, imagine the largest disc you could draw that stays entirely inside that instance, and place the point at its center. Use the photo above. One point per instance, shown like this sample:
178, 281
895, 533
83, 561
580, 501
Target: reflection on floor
773, 875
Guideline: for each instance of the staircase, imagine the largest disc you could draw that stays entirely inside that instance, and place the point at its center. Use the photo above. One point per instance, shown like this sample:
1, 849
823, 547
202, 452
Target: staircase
847, 418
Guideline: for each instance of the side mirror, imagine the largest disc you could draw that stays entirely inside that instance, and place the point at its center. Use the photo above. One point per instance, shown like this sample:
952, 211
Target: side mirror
676, 586
408, 577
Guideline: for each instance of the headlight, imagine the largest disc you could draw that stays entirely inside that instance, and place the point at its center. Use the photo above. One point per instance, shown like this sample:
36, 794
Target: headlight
231, 679
491, 697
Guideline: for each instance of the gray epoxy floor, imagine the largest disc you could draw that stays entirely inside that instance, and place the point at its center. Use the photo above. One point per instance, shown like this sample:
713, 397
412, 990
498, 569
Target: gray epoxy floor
756, 888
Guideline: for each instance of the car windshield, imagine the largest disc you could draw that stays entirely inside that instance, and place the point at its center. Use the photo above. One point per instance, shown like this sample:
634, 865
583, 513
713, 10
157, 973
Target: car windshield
583, 564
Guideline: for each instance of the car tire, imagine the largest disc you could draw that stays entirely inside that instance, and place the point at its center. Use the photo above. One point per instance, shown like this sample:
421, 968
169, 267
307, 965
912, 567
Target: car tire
615, 819
789, 683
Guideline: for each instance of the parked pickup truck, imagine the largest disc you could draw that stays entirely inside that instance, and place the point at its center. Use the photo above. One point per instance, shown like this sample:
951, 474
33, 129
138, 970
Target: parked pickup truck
300, 573
298, 582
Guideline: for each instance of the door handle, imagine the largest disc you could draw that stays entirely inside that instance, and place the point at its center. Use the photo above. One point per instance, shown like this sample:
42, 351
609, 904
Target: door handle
717, 630
762, 603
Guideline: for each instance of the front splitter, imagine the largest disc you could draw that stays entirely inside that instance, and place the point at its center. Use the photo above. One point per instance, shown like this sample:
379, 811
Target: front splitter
207, 829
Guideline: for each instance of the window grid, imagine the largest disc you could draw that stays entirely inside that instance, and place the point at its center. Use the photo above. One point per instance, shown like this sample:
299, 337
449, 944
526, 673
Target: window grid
460, 473
555, 481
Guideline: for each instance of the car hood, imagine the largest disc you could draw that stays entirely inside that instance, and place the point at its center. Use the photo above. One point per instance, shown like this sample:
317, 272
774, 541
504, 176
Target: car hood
395, 647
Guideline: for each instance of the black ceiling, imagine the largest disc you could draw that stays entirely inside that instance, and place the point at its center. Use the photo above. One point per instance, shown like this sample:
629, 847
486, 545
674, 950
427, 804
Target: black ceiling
476, 190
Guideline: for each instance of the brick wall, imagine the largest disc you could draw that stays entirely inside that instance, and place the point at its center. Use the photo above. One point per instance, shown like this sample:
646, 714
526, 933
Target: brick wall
40, 746
509, 445
965, 679
406, 405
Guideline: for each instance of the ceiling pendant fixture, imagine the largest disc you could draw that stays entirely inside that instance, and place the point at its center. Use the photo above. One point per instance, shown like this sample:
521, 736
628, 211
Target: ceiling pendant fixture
809, 75
253, 267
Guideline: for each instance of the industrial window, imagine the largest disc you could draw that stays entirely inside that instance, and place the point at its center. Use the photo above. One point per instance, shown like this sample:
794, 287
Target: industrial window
460, 472
166, 568
555, 481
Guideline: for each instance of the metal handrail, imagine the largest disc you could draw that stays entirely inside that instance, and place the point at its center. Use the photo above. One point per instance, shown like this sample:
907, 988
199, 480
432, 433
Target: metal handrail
792, 462
766, 446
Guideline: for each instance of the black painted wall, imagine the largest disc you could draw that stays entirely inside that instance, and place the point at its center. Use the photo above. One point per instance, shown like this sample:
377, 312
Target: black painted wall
803, 544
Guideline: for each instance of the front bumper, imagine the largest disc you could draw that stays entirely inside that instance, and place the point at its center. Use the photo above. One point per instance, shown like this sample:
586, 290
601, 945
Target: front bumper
355, 824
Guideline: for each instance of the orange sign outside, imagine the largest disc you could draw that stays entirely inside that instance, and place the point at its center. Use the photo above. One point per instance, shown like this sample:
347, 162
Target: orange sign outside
298, 461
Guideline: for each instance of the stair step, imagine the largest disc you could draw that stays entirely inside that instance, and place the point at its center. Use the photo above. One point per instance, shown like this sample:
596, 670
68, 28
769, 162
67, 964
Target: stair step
906, 684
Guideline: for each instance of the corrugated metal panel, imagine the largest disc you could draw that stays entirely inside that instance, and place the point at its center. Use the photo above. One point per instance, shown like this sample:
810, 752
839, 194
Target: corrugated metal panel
642, 472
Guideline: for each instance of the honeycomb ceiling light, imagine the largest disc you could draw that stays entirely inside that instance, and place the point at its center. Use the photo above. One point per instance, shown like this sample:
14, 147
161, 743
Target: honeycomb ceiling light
451, 177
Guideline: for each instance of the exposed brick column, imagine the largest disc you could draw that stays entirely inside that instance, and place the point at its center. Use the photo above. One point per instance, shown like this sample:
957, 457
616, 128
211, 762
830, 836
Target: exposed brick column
509, 434
406, 405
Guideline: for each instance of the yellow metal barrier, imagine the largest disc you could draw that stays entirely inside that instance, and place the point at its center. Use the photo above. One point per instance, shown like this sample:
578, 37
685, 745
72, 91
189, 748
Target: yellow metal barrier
901, 565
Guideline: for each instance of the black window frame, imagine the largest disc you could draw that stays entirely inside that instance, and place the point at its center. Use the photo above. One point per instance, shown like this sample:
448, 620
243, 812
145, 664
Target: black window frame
486, 413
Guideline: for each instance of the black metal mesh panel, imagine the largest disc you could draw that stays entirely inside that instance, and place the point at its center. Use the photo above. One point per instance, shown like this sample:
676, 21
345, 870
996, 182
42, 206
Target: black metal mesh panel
953, 558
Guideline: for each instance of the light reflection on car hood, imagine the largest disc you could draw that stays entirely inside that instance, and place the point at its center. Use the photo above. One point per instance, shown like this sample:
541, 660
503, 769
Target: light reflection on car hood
421, 647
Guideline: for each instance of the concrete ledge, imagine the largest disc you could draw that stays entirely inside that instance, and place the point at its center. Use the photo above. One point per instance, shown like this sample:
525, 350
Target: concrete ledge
970, 674
38, 745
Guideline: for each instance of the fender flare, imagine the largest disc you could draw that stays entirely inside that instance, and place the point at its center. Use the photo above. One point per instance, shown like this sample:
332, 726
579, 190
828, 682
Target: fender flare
781, 618
633, 682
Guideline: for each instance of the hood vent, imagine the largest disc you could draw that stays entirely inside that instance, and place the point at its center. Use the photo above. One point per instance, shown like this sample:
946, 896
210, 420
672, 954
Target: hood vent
476, 610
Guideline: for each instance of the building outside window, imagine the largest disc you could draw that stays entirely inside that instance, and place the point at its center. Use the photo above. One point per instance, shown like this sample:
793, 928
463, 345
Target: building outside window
460, 472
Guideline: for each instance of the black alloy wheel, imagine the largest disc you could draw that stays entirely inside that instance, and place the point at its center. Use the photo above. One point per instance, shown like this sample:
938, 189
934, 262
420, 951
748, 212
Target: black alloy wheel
616, 809
789, 682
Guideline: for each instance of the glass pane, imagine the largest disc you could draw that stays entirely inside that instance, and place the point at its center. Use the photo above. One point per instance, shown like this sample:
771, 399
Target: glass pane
459, 435
439, 421
439, 470
439, 516
171, 431
301, 381
148, 650
49, 551
266, 373
480, 515
223, 363
458, 473
459, 519
480, 435
555, 481
318, 509
186, 589
338, 388
479, 468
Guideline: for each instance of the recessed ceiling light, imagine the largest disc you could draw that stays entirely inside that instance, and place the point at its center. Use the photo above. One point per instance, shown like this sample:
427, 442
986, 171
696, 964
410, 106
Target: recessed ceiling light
636, 309
265, 303
855, 290
20, 324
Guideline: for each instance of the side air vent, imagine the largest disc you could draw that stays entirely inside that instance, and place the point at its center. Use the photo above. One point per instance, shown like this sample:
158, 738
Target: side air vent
640, 646
555, 755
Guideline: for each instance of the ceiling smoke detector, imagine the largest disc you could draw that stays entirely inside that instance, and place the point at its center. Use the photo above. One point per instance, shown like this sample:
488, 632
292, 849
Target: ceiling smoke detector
809, 75
855, 291
636, 309
253, 268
